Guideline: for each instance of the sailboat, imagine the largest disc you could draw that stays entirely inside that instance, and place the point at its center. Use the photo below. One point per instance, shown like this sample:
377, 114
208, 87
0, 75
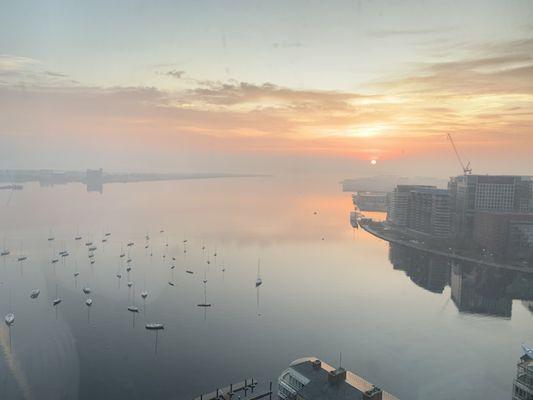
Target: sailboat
144, 294
9, 319
154, 326
89, 302
258, 281
22, 257
5, 251
205, 303
86, 290
57, 300
35, 293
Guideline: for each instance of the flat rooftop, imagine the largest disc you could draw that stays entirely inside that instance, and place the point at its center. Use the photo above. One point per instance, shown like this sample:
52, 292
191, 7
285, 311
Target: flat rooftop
319, 387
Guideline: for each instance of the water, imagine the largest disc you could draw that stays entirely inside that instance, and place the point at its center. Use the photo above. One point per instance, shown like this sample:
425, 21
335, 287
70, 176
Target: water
326, 289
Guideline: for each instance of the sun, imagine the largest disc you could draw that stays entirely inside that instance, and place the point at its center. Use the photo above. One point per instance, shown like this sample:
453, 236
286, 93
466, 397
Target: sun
373, 162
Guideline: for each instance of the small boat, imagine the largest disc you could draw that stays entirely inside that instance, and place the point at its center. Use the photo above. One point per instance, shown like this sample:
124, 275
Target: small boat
144, 294
130, 244
146, 246
122, 255
172, 267
154, 326
9, 319
91, 255
185, 240
65, 254
173, 258
76, 274
204, 305
62, 252
89, 302
162, 231
57, 301
92, 248
55, 260
147, 237
107, 234
189, 271
92, 262
88, 244
119, 276
35, 293
164, 256
171, 283
133, 309
104, 240
22, 258
5, 253
86, 290
130, 284
128, 269
50, 239
77, 238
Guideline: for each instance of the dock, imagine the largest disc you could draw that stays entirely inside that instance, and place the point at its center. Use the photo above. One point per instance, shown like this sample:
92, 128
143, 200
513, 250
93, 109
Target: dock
244, 390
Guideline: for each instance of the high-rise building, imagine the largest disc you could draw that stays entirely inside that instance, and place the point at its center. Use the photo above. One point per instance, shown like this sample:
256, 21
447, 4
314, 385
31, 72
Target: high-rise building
523, 383
312, 379
490, 193
429, 212
398, 208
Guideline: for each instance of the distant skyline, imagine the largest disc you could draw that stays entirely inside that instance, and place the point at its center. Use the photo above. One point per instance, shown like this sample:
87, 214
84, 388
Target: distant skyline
267, 87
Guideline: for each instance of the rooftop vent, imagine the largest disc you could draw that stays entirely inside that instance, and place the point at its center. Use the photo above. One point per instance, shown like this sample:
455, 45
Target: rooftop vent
336, 376
373, 394
317, 364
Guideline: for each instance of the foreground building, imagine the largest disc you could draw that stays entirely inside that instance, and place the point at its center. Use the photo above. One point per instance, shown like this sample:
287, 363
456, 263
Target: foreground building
523, 383
312, 379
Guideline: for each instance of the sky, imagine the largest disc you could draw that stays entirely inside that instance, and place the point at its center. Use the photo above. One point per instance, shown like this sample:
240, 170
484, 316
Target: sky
267, 86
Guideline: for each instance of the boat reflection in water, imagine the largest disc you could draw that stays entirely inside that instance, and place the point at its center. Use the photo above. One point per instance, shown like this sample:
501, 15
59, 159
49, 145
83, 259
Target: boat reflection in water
475, 288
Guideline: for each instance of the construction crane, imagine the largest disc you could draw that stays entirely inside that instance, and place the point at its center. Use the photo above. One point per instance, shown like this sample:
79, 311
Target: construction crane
466, 168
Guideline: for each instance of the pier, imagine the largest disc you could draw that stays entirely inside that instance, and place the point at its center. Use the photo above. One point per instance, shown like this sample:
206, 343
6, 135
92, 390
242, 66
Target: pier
244, 390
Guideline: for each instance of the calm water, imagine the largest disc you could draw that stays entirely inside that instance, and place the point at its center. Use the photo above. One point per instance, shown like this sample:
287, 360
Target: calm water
326, 288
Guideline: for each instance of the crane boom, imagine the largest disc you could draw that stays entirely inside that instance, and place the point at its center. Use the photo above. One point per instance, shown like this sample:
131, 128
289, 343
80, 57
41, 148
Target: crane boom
466, 168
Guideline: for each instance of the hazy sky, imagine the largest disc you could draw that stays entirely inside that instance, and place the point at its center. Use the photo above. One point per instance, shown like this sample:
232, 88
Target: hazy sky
267, 86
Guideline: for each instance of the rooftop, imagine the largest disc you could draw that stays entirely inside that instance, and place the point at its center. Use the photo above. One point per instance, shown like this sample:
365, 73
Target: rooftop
319, 387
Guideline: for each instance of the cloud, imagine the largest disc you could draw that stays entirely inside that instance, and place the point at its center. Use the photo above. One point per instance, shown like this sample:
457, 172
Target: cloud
178, 74
386, 33
485, 99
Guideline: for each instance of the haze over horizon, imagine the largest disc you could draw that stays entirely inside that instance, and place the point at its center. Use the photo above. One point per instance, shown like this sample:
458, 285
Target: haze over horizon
267, 87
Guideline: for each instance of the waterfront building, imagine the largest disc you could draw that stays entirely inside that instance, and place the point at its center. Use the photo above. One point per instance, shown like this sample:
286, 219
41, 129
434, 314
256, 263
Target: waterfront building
312, 379
508, 235
523, 383
429, 212
398, 209
489, 193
